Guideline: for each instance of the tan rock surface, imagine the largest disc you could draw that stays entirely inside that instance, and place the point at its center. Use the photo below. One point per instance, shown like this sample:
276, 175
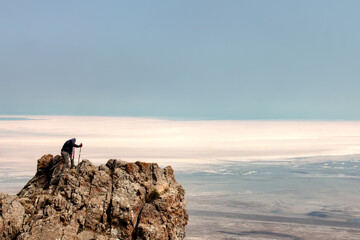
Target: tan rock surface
118, 200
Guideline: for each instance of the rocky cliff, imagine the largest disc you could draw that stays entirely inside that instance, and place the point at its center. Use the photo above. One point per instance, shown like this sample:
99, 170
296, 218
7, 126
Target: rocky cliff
118, 200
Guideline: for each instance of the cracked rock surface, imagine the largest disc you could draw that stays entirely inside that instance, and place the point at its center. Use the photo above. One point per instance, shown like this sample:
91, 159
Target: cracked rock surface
118, 200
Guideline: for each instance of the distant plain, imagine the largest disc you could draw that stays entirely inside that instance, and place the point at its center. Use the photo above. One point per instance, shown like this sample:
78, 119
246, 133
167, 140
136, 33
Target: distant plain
243, 179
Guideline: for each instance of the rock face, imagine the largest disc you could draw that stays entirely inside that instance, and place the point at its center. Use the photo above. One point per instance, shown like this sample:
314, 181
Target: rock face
118, 200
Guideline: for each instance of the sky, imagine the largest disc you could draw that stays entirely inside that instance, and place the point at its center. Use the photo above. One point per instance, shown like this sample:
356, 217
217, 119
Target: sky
235, 60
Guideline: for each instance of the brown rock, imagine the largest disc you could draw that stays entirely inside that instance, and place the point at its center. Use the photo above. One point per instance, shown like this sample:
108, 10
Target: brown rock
118, 200
12, 215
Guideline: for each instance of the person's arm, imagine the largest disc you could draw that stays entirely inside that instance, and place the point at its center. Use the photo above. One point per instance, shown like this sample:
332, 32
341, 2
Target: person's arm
77, 146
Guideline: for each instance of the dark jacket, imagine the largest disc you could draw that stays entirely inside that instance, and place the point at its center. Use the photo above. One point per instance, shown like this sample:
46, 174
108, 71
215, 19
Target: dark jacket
69, 145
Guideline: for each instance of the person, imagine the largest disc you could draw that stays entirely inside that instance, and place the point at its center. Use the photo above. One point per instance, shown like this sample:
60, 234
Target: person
67, 151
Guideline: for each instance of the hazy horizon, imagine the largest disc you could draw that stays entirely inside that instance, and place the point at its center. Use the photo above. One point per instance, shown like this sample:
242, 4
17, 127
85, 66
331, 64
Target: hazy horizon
24, 139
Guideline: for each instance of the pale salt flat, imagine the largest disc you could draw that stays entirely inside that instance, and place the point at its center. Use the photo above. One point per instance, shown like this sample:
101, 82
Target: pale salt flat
171, 141
249, 177
185, 145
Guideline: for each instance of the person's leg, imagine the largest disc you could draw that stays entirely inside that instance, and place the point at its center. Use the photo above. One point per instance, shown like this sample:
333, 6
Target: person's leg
66, 157
72, 162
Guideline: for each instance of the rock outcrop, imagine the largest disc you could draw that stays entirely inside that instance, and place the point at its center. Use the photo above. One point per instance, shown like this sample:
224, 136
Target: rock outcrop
118, 200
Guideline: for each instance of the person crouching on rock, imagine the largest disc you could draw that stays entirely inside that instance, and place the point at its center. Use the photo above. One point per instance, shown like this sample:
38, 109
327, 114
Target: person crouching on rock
67, 150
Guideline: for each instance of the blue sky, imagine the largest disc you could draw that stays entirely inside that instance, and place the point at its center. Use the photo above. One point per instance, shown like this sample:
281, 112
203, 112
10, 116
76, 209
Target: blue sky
183, 59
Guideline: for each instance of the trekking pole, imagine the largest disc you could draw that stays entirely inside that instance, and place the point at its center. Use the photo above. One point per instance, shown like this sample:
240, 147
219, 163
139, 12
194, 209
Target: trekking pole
79, 156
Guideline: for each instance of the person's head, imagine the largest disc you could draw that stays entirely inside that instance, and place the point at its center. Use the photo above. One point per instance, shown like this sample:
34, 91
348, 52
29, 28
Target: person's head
73, 140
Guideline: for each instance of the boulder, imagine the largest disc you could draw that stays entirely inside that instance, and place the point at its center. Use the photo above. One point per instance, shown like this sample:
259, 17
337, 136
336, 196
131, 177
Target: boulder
118, 200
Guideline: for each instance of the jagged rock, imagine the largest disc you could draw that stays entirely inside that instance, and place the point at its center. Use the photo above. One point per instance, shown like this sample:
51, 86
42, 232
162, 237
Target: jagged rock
118, 200
11, 216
